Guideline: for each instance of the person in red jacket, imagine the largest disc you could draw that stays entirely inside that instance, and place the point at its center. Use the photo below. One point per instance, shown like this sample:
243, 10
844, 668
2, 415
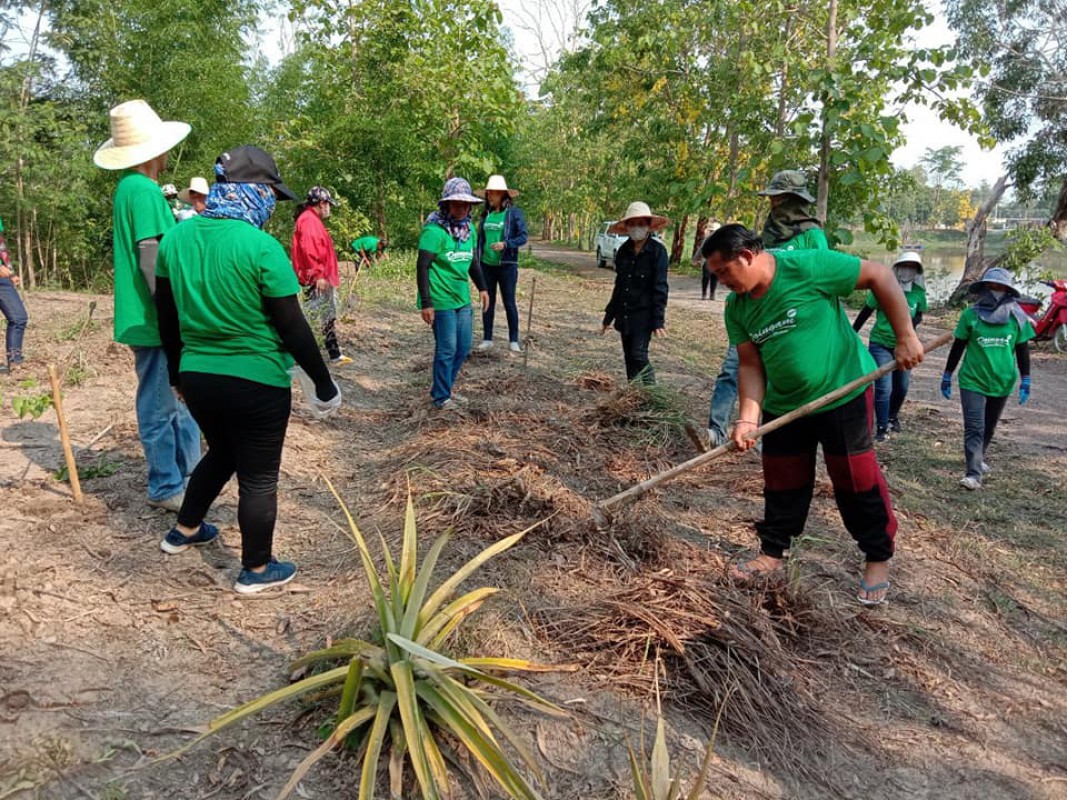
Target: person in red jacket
315, 262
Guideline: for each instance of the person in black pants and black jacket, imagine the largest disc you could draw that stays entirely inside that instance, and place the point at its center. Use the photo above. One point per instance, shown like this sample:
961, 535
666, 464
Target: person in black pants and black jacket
638, 305
231, 325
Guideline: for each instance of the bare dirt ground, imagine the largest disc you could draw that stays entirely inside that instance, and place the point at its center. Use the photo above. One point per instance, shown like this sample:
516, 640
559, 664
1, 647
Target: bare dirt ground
112, 653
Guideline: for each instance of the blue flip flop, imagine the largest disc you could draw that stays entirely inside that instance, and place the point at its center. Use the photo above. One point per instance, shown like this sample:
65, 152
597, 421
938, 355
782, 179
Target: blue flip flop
877, 587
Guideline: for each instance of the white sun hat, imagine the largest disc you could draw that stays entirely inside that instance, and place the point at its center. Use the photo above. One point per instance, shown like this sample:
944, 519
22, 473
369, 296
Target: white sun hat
137, 135
637, 210
496, 183
198, 185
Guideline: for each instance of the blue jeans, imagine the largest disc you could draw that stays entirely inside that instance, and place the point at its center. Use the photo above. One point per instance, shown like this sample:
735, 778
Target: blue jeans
506, 276
889, 390
11, 307
169, 435
724, 396
981, 414
452, 345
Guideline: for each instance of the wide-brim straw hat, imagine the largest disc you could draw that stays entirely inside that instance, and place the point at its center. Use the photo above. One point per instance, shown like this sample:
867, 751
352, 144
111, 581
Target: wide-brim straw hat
910, 257
137, 135
639, 210
996, 275
496, 183
198, 185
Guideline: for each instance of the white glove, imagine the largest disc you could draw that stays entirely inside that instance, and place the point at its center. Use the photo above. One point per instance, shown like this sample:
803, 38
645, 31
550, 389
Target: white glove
321, 409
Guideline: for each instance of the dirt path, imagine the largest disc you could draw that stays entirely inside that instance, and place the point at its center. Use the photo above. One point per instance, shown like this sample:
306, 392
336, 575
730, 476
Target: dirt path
111, 653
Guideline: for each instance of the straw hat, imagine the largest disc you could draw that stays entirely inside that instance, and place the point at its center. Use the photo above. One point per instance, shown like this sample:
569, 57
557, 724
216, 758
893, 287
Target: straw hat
137, 135
198, 185
496, 183
639, 210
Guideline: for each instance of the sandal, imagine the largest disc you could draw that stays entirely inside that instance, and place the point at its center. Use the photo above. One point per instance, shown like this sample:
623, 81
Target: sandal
866, 589
747, 572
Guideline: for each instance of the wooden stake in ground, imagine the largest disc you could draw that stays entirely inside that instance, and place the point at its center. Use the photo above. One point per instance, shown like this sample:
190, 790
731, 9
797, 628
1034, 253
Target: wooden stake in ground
529, 324
64, 435
602, 511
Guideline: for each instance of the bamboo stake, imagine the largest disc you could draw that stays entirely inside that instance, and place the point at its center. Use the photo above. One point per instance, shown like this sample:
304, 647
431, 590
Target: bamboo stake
602, 510
529, 325
64, 435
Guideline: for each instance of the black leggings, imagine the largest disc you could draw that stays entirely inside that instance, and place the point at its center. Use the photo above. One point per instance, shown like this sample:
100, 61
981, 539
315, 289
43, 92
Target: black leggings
244, 423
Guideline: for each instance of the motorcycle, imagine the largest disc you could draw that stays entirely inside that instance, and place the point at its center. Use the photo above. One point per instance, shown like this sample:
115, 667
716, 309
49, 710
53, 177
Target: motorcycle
1053, 323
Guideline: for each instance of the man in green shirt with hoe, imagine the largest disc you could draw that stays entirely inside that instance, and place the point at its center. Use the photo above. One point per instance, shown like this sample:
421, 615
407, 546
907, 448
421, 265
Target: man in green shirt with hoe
795, 344
139, 144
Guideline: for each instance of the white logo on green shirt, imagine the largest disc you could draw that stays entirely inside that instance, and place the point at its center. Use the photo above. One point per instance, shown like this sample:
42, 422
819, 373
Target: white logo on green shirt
995, 341
777, 328
458, 255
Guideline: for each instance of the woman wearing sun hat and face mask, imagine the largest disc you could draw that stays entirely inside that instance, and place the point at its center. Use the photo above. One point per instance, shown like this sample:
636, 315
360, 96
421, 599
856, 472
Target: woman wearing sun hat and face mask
638, 305
195, 197
891, 390
501, 232
448, 258
994, 332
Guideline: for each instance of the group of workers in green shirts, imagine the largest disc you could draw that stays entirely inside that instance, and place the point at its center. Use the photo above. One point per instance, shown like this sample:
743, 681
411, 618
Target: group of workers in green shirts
211, 309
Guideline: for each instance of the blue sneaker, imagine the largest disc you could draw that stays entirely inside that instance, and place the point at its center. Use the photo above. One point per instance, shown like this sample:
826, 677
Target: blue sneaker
277, 573
174, 542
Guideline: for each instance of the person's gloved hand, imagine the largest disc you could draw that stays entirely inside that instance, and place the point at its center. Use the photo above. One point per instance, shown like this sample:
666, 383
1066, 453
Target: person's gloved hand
1024, 391
324, 408
946, 385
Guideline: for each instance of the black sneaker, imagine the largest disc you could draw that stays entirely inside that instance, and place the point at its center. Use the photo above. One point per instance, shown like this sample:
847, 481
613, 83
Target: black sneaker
894, 425
174, 542
882, 435
277, 573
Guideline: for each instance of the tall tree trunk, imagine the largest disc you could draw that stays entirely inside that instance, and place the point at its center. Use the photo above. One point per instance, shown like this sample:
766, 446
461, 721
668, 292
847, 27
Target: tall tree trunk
976, 231
700, 233
822, 198
779, 126
1058, 223
678, 244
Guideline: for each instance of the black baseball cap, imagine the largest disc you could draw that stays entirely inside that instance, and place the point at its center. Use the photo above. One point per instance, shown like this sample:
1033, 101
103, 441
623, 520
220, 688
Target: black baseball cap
250, 164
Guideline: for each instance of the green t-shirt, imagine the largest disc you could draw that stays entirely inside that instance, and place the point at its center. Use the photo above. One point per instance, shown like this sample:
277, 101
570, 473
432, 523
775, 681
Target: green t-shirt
813, 239
494, 232
805, 341
220, 270
449, 280
141, 212
882, 332
368, 244
989, 361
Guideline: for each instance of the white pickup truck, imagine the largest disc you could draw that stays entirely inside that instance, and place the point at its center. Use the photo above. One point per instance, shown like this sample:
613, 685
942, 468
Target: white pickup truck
607, 244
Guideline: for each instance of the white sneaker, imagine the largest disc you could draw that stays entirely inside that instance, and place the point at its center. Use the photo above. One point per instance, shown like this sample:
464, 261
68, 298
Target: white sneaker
715, 438
970, 482
485, 345
986, 468
514, 347
459, 398
447, 405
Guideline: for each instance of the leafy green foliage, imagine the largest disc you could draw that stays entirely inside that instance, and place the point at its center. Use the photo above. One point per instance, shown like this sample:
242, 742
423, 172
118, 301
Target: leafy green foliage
403, 689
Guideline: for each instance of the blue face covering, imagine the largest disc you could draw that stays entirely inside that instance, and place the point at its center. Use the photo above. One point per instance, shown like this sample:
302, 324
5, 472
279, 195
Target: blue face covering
252, 202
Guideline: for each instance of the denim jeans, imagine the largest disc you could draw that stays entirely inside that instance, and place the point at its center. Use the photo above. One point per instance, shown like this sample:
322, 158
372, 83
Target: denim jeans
452, 345
981, 414
724, 396
169, 436
889, 390
11, 307
506, 276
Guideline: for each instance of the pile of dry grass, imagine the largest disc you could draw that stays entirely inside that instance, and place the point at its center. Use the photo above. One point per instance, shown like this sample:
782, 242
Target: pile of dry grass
727, 648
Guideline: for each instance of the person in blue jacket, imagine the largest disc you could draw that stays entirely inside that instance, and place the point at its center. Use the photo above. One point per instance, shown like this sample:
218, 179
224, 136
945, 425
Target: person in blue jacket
501, 232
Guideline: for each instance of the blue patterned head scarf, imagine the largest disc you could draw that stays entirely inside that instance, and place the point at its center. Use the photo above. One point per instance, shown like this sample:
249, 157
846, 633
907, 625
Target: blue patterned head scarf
252, 202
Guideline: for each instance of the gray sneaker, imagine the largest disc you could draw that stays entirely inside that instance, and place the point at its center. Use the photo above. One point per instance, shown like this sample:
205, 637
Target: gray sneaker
971, 482
173, 503
986, 468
